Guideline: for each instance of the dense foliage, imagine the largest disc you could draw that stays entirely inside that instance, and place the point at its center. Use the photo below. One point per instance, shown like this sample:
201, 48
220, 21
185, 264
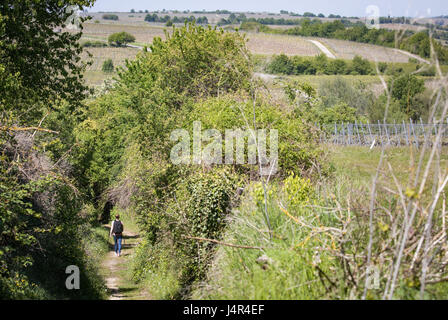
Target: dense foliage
296, 65
46, 60
113, 17
93, 44
41, 230
108, 66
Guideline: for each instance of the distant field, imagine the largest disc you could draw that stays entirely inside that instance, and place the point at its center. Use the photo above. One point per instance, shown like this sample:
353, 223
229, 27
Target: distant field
269, 44
398, 26
144, 34
93, 75
118, 56
348, 49
258, 43
360, 163
96, 78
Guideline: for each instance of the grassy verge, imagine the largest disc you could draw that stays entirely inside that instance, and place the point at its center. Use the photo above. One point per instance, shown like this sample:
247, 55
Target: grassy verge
283, 269
303, 259
360, 163
157, 269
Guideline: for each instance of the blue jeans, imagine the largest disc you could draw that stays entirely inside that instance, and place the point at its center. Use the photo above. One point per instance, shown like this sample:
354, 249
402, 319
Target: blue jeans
117, 240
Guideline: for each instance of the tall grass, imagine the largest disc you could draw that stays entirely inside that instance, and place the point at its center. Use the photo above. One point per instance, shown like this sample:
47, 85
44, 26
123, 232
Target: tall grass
284, 269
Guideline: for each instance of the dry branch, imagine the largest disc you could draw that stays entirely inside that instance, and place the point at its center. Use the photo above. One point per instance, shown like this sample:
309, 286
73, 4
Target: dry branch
18, 129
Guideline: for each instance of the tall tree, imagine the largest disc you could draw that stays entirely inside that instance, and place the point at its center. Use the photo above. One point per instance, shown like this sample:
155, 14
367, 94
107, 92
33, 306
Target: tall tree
39, 68
36, 47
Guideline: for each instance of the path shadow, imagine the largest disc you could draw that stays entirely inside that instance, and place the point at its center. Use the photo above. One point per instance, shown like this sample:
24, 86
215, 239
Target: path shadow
120, 291
125, 236
124, 243
131, 237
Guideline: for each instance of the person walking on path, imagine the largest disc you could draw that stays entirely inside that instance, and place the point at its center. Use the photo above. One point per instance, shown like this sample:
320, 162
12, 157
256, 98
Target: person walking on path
116, 229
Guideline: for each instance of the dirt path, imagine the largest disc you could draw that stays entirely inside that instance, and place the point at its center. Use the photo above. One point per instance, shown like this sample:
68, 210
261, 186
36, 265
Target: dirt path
413, 56
323, 48
117, 273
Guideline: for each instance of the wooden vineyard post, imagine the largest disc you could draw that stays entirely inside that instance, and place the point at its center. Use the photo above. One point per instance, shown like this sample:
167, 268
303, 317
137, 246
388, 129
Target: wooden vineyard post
380, 134
396, 134
363, 133
357, 131
406, 133
387, 134
413, 132
335, 132
350, 131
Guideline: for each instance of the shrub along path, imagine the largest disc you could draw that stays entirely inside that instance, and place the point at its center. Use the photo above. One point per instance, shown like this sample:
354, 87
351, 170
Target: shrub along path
117, 270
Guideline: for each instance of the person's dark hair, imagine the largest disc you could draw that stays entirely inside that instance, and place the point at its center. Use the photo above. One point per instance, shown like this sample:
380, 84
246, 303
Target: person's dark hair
117, 216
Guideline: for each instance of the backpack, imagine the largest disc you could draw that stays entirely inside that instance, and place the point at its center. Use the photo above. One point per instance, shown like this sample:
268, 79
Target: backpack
118, 227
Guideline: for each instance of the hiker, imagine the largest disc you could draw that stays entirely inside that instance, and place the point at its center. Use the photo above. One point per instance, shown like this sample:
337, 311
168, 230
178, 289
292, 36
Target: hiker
116, 229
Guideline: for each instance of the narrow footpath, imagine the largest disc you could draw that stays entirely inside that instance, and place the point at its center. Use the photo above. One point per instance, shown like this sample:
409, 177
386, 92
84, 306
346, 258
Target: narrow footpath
323, 48
117, 270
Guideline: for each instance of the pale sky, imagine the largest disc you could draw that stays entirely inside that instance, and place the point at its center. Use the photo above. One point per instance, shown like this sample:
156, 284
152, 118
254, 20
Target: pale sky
409, 8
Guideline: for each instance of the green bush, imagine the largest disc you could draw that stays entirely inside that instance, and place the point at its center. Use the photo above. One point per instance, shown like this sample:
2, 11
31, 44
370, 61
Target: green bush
337, 66
207, 199
25, 232
361, 66
113, 17
254, 26
405, 89
394, 113
339, 90
120, 39
298, 191
338, 113
108, 66
382, 67
282, 64
296, 139
198, 208
94, 44
157, 267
